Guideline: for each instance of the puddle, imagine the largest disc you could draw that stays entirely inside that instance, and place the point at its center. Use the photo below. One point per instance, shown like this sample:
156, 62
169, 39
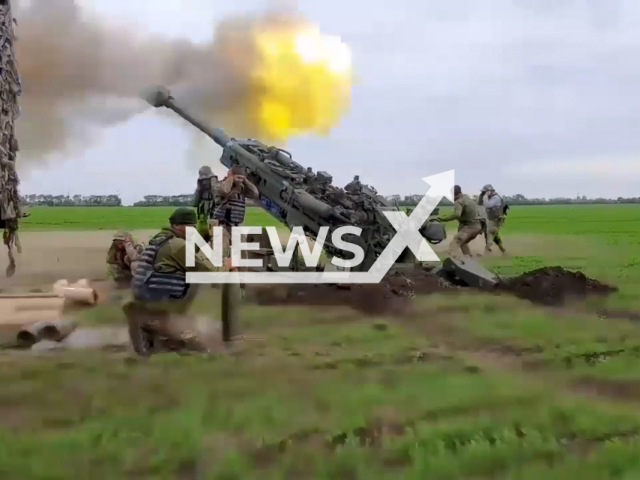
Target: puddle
107, 337
112, 338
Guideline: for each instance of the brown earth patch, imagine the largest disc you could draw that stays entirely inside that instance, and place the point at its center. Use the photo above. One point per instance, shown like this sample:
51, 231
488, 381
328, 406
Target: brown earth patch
373, 434
392, 295
620, 389
549, 286
554, 286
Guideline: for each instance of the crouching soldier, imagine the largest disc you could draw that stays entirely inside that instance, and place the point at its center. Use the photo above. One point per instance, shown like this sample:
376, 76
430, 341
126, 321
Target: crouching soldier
161, 295
122, 258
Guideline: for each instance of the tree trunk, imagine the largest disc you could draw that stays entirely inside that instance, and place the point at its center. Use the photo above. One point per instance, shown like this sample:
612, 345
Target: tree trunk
10, 89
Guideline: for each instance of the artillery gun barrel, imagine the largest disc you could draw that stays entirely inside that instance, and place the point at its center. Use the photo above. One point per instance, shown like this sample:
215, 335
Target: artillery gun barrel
161, 97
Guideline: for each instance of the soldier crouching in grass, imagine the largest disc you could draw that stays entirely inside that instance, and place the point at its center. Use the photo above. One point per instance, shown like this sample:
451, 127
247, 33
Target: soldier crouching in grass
122, 258
470, 223
161, 295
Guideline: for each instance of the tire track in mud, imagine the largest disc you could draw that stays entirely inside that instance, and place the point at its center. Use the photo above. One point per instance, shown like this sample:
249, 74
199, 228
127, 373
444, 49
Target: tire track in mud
446, 330
374, 434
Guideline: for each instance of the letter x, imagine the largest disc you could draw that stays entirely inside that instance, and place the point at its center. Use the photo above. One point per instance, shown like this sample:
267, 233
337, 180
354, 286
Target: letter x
408, 230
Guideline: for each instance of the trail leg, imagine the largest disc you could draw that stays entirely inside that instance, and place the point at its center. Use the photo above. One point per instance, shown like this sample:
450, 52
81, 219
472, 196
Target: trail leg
231, 301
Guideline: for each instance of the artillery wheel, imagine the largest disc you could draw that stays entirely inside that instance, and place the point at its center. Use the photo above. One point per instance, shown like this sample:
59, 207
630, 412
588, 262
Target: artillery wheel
231, 301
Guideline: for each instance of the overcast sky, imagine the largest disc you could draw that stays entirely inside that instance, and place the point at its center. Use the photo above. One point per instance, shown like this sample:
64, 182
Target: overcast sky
540, 97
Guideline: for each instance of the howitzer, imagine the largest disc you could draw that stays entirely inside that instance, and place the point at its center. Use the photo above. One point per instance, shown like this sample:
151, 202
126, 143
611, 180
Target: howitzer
297, 197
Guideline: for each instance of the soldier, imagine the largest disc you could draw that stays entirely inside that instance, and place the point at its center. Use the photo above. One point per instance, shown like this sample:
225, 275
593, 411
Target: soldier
470, 224
309, 175
204, 199
232, 193
354, 185
161, 296
494, 208
122, 258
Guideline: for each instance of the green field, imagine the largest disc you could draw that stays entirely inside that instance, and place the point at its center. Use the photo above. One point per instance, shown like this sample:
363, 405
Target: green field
114, 218
467, 386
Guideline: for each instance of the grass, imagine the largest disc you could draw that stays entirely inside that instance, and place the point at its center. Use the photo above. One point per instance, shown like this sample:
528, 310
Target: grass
467, 387
554, 220
115, 218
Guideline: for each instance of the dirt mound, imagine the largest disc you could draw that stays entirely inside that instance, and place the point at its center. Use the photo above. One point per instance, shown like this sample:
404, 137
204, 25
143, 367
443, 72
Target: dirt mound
553, 286
392, 295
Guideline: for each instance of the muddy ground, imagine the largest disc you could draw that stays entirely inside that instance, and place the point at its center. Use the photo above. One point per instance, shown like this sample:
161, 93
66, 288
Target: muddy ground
550, 286
50, 256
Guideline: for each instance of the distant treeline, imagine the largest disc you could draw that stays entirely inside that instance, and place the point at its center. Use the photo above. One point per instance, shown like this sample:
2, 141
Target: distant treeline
522, 200
72, 201
169, 201
187, 200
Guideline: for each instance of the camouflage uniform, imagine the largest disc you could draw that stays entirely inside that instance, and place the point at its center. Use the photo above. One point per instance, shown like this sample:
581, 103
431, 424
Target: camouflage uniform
354, 185
470, 224
161, 297
231, 196
205, 199
493, 206
10, 90
122, 258
232, 206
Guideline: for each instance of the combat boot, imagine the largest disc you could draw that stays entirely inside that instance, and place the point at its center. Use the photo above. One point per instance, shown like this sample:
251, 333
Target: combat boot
141, 338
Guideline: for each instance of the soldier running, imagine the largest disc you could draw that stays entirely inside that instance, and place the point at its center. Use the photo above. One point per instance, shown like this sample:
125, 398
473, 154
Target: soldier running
470, 224
495, 212
122, 258
161, 296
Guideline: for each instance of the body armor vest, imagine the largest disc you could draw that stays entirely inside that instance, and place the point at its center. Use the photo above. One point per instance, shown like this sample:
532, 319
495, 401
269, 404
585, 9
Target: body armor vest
206, 188
496, 212
147, 284
232, 211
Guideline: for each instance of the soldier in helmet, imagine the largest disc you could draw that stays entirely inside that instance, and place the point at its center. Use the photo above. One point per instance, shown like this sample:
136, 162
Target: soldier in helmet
354, 185
494, 209
232, 193
204, 199
122, 258
309, 175
160, 294
465, 211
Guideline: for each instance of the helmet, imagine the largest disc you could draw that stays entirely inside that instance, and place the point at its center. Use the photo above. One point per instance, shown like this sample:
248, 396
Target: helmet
205, 172
120, 236
488, 187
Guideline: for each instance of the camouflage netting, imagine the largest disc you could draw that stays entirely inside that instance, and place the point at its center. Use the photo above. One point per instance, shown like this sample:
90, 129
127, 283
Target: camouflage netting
9, 110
